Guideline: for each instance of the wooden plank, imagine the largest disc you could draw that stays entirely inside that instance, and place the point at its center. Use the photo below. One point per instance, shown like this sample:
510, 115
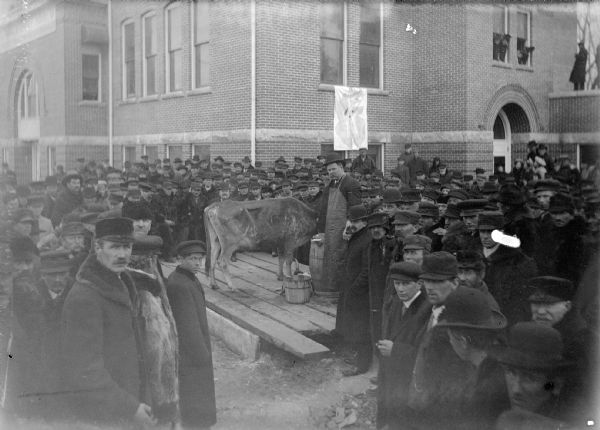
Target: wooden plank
248, 277
240, 340
272, 331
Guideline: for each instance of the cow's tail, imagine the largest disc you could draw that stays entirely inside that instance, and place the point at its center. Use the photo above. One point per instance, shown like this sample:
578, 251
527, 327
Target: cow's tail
208, 240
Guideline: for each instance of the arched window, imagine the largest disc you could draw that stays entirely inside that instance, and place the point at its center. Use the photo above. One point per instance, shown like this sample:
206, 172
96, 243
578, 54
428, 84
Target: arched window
28, 97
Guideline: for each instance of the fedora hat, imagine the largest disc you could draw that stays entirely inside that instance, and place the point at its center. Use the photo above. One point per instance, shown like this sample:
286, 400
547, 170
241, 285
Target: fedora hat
357, 213
333, 158
439, 266
405, 271
532, 346
391, 195
469, 308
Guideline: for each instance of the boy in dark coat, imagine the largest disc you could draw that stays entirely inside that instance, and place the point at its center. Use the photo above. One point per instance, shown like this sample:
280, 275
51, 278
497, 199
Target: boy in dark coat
196, 379
405, 314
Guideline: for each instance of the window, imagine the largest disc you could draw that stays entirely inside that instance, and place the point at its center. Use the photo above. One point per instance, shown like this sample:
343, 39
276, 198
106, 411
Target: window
129, 154
332, 43
91, 77
202, 151
500, 38
524, 48
152, 153
128, 60
201, 53
370, 44
51, 160
174, 59
28, 97
149, 48
175, 151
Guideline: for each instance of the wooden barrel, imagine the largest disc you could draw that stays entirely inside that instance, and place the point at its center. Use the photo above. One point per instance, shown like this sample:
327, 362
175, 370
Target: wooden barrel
315, 264
297, 288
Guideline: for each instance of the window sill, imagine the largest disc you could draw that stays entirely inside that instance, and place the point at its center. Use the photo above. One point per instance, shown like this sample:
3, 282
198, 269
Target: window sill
524, 68
371, 91
151, 98
128, 101
91, 103
501, 65
201, 90
173, 95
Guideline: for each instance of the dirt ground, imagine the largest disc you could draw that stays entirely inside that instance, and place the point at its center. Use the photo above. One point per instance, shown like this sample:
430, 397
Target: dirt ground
279, 391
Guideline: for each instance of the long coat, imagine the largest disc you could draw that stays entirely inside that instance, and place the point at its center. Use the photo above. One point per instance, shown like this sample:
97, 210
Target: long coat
66, 201
101, 351
196, 379
353, 316
507, 271
379, 259
395, 372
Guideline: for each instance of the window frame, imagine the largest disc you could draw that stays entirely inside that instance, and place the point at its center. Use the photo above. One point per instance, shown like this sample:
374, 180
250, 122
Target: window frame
506, 31
145, 93
194, 43
124, 94
23, 97
380, 49
51, 159
344, 66
527, 13
171, 6
99, 55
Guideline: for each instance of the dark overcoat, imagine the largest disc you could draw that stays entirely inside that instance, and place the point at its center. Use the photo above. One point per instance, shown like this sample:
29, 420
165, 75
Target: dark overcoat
379, 258
521, 222
405, 330
101, 354
506, 275
196, 379
353, 319
66, 202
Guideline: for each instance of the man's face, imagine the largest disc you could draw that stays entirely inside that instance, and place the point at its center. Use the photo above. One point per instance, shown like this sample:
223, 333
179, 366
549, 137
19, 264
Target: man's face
389, 208
468, 277
543, 198
196, 192
527, 389
403, 230
549, 314
439, 290
413, 255
224, 193
405, 289
561, 219
243, 191
37, 210
23, 228
73, 242
354, 226
363, 153
377, 232
313, 191
426, 221
335, 170
57, 282
142, 226
256, 192
193, 262
485, 236
74, 185
471, 221
114, 256
208, 183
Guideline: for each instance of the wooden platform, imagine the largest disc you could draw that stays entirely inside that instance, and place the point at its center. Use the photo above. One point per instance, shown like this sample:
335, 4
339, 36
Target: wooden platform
258, 306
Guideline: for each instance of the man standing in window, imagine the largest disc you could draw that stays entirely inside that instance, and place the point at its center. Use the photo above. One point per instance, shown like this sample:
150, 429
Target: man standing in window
363, 163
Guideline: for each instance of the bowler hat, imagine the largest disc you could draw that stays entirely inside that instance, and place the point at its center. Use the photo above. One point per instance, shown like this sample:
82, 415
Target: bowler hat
439, 266
377, 219
532, 346
391, 195
430, 194
406, 217
56, 261
489, 188
561, 203
115, 229
190, 247
512, 195
405, 271
333, 158
411, 196
458, 194
428, 209
72, 229
357, 213
470, 260
417, 241
550, 289
146, 244
490, 220
469, 308
471, 207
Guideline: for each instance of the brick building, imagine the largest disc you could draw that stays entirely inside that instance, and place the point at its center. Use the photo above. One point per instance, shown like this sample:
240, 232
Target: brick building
241, 77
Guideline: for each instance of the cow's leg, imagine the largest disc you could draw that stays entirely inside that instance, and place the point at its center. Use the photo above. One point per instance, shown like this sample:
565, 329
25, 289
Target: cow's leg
280, 258
214, 249
224, 263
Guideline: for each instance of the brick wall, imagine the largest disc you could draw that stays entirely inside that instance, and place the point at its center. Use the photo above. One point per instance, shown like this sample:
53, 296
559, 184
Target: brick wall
575, 112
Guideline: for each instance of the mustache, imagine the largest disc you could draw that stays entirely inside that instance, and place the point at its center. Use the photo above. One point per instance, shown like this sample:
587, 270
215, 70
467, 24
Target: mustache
121, 261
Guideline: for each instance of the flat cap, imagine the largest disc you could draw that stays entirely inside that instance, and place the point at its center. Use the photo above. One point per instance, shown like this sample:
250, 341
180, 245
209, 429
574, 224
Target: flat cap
470, 260
56, 262
458, 194
411, 196
471, 207
512, 195
406, 217
405, 271
391, 195
417, 241
490, 220
115, 229
550, 289
146, 244
72, 229
190, 247
357, 213
561, 202
469, 308
439, 266
428, 209
377, 219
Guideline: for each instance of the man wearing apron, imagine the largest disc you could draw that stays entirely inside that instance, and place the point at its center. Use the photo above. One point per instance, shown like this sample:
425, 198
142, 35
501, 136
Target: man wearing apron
342, 192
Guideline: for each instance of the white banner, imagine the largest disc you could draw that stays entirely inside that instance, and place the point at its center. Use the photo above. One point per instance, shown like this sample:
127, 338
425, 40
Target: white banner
350, 119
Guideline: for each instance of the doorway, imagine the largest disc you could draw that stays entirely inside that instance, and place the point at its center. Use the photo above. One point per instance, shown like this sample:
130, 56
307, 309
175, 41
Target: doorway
501, 149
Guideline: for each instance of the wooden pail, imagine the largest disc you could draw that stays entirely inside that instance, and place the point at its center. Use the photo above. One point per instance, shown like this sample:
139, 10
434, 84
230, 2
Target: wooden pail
297, 288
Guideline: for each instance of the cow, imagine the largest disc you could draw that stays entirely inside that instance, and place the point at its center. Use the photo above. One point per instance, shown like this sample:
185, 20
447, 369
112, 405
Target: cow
282, 224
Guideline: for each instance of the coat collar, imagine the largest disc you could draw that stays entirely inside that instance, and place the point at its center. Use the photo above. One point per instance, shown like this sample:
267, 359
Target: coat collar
186, 273
108, 284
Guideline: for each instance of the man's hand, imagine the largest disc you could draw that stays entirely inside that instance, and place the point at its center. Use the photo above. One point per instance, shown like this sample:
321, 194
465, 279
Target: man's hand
143, 416
385, 347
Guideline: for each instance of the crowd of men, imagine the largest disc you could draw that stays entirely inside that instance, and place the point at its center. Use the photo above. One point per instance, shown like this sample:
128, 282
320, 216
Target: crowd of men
477, 295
